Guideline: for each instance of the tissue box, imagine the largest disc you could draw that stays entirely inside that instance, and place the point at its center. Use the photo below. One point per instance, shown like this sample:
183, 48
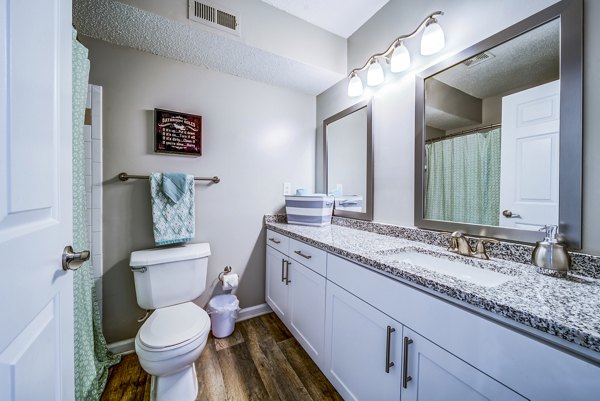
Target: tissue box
350, 203
309, 210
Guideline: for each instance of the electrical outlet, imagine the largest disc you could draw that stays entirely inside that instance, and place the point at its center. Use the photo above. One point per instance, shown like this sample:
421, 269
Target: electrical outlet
339, 188
287, 188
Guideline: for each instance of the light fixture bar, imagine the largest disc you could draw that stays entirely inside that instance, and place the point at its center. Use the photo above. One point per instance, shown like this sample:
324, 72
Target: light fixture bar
430, 17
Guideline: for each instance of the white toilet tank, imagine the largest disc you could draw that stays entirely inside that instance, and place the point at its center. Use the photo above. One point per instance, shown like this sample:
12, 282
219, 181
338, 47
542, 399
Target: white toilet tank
169, 276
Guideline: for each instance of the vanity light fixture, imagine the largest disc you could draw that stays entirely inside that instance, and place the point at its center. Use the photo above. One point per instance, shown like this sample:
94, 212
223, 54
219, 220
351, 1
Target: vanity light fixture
374, 73
433, 39
400, 60
397, 55
355, 86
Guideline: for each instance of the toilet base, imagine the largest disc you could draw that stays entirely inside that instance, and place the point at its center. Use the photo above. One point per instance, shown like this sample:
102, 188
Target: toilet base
180, 386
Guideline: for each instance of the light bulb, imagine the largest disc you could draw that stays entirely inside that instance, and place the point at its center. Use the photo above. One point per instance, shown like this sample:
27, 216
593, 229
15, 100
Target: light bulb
355, 86
375, 74
400, 58
433, 39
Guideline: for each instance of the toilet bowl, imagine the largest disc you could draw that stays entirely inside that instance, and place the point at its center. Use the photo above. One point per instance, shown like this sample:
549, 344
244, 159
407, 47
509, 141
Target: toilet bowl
168, 344
173, 337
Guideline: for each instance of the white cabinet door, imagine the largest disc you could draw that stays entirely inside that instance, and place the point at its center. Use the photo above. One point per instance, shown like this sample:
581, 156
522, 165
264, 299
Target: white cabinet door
307, 309
276, 288
437, 375
356, 335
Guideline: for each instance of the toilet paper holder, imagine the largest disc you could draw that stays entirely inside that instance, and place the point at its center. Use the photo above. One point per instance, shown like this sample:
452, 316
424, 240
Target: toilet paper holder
225, 271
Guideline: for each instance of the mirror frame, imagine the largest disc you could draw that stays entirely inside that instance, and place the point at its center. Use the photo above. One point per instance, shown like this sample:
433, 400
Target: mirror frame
570, 13
368, 213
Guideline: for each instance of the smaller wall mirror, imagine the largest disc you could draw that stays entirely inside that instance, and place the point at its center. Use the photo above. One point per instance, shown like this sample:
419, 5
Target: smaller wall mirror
348, 161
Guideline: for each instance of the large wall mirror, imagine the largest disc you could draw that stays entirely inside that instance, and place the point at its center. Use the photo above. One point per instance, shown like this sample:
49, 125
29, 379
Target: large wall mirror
348, 161
499, 133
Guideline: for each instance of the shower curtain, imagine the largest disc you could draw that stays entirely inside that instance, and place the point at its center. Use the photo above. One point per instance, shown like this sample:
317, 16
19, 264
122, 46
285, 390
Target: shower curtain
463, 179
92, 358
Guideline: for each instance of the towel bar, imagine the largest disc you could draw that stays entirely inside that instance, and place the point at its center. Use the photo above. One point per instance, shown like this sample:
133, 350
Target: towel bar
125, 177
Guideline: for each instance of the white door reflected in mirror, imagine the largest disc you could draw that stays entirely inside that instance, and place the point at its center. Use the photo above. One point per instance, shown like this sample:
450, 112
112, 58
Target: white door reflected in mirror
530, 157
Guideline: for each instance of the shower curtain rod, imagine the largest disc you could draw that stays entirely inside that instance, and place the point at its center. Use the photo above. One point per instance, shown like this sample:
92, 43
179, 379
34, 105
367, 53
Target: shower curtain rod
125, 177
465, 132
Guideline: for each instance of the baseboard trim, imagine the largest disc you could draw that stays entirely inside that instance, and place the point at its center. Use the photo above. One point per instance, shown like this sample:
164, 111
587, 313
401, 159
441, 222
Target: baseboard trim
253, 311
128, 346
122, 347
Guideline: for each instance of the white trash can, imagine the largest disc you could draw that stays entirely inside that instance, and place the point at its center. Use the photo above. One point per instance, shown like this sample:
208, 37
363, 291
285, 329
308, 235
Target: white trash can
223, 311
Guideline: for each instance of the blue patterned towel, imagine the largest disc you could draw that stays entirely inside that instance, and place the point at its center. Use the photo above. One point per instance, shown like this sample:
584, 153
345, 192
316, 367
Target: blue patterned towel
173, 222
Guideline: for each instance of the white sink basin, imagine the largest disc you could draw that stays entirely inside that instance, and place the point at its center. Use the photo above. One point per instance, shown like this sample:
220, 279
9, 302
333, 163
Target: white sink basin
453, 268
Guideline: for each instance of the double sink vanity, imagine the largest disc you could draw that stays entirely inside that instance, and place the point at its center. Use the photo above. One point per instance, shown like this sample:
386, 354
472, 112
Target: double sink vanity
386, 312
385, 317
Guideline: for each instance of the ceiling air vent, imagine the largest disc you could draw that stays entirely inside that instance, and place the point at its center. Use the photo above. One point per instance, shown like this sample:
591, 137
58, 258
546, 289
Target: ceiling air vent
478, 59
215, 16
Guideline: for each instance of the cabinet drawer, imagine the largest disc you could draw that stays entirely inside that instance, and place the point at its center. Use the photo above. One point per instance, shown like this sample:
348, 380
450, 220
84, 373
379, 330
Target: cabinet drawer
309, 256
278, 241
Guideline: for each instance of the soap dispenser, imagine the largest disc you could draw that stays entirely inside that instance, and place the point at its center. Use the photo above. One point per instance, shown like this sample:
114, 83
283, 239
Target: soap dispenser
550, 255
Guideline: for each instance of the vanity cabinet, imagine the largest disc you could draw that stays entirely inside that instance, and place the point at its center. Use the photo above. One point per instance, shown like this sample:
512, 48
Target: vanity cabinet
296, 292
356, 322
367, 352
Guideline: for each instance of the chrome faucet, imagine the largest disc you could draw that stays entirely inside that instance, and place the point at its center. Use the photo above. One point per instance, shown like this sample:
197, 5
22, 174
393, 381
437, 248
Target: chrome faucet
460, 244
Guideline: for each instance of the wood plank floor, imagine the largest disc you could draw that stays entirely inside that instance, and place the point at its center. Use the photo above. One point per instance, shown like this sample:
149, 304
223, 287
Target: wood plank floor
259, 361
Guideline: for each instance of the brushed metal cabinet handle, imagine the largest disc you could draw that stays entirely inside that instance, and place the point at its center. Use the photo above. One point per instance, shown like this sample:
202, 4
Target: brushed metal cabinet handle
303, 255
287, 272
388, 363
275, 240
282, 267
405, 377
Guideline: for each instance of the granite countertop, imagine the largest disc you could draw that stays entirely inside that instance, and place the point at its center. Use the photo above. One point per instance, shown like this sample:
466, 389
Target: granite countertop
568, 308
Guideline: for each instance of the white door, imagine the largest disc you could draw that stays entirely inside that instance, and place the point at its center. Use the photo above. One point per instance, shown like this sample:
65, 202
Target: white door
356, 337
276, 287
307, 309
36, 295
437, 375
529, 157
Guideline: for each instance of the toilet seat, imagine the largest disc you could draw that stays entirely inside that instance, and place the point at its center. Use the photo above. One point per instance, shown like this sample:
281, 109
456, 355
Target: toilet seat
173, 327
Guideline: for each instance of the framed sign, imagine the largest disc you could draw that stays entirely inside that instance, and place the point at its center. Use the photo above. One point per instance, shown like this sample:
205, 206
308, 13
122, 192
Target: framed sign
177, 133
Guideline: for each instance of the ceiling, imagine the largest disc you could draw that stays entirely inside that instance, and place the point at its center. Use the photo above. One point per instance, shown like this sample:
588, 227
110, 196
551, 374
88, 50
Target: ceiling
342, 17
529, 58
125, 25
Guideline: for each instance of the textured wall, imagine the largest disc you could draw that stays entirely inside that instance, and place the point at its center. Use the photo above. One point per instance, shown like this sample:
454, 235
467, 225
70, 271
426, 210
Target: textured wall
255, 137
465, 23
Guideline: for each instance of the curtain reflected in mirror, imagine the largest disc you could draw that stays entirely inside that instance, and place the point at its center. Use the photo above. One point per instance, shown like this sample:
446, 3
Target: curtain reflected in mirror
463, 178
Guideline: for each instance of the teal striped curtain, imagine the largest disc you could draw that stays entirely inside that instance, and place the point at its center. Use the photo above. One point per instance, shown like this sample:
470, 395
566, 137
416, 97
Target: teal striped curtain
463, 179
92, 358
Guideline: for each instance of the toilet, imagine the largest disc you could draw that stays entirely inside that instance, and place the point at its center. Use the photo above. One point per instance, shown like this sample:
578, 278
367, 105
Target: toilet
172, 338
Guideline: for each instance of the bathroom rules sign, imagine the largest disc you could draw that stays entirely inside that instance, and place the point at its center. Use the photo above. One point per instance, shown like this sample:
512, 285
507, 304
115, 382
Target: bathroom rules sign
178, 133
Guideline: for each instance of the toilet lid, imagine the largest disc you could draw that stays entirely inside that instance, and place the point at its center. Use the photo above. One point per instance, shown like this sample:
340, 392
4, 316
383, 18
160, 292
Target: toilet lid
174, 325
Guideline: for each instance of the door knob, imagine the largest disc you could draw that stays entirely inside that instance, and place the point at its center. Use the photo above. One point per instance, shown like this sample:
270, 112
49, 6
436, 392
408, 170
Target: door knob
510, 215
73, 260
